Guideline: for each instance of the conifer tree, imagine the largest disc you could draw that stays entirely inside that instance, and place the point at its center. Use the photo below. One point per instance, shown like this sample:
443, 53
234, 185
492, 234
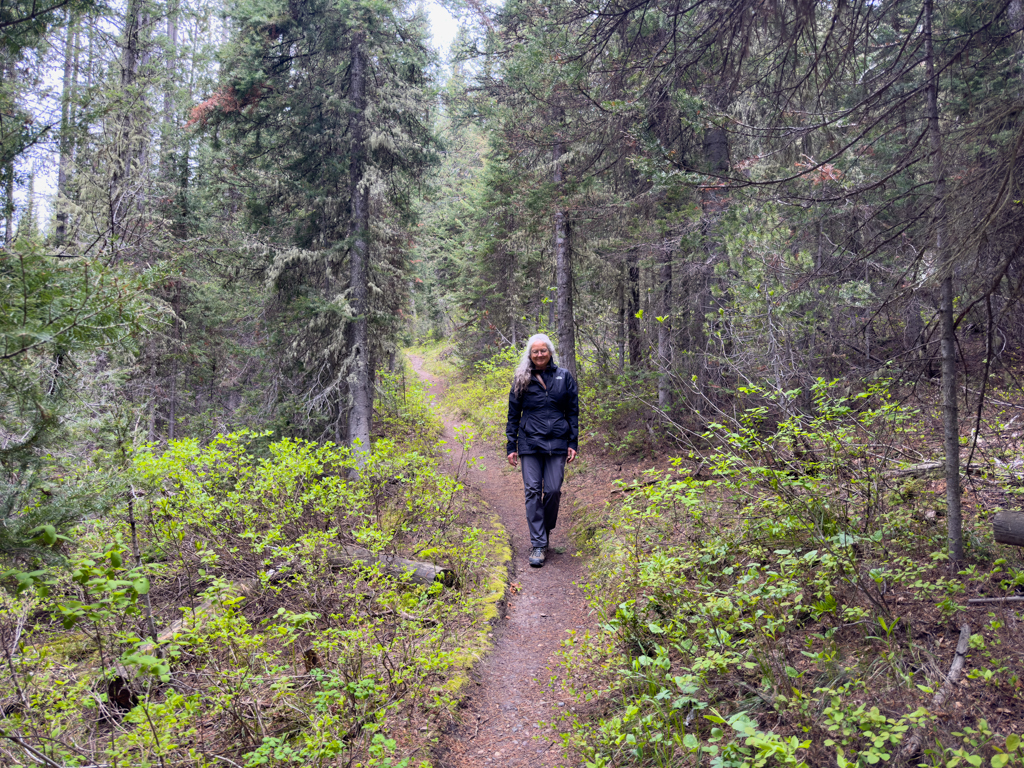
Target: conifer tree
325, 106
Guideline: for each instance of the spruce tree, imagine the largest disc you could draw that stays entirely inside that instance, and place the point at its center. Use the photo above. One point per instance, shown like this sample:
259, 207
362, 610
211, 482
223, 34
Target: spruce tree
325, 109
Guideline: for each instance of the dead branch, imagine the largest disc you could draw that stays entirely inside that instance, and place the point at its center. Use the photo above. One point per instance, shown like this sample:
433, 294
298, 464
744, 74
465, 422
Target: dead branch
913, 745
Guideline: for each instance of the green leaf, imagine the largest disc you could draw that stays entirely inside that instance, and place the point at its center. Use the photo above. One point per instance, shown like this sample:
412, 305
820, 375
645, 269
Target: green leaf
998, 761
46, 533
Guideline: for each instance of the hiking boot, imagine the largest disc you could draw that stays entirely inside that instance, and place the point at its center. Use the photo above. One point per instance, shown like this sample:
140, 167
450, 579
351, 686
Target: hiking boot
537, 557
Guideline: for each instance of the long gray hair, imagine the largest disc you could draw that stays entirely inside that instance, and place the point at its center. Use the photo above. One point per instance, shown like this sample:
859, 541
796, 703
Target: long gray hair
524, 371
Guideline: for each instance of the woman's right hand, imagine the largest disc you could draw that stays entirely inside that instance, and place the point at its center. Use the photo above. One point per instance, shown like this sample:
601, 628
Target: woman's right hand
513, 458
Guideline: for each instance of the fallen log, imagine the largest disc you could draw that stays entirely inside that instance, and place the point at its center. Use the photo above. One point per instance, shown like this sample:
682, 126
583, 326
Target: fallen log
933, 469
913, 745
918, 470
420, 572
243, 588
1008, 528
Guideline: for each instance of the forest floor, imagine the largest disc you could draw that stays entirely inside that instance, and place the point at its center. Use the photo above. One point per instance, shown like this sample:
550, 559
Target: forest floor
507, 716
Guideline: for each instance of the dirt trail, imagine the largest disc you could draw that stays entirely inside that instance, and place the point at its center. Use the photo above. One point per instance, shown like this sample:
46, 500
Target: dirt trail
510, 699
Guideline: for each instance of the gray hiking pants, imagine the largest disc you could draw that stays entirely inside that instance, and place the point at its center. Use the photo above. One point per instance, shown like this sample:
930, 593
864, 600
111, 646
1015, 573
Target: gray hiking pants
542, 481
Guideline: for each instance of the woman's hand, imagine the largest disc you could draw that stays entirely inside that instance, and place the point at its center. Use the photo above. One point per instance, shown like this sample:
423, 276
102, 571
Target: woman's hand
572, 455
513, 458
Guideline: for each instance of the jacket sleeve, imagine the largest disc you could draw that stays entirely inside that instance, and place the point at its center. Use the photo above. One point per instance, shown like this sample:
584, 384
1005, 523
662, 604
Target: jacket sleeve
572, 410
515, 413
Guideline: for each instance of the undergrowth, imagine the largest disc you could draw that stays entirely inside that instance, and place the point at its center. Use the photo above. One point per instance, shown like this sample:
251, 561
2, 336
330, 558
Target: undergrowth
793, 605
479, 397
300, 638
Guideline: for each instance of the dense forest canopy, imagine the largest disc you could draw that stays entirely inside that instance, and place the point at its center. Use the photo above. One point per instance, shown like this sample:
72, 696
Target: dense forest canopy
692, 197
226, 215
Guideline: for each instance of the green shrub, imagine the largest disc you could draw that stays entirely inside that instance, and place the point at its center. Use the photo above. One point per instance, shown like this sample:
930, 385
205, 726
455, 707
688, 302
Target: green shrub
285, 654
760, 617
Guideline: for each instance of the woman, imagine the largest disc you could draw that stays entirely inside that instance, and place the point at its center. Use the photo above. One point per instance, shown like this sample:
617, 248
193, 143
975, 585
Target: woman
543, 432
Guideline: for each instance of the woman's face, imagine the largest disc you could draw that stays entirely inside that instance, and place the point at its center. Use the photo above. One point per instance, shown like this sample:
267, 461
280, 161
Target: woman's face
540, 355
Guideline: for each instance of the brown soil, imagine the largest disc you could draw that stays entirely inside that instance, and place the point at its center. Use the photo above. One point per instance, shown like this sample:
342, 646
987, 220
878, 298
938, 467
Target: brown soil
505, 719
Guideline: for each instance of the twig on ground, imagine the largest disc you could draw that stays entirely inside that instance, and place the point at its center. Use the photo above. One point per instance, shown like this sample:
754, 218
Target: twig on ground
478, 724
985, 600
32, 751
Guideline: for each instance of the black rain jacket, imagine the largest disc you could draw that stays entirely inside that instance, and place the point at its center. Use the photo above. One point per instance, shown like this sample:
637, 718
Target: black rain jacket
544, 420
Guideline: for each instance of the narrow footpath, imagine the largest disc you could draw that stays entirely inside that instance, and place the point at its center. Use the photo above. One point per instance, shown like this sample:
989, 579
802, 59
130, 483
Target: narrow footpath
510, 701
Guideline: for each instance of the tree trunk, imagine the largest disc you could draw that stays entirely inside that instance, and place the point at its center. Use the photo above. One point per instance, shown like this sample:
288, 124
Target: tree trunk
127, 139
66, 141
412, 310
1008, 528
665, 330
9, 206
563, 273
950, 415
166, 154
361, 412
9, 73
620, 331
633, 309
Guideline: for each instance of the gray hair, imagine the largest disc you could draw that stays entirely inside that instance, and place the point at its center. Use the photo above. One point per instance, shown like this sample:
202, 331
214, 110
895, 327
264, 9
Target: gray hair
524, 371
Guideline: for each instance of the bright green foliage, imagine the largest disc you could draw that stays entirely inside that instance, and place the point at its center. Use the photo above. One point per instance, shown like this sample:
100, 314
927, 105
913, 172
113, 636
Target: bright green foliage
778, 634
482, 395
286, 654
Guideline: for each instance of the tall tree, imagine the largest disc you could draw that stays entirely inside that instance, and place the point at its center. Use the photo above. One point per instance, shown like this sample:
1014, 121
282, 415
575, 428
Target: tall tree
327, 105
950, 412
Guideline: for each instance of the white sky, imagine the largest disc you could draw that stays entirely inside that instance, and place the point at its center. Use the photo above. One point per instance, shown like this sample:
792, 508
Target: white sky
442, 27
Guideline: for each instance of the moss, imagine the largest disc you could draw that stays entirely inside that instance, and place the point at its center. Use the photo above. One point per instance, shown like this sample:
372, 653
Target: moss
72, 647
488, 605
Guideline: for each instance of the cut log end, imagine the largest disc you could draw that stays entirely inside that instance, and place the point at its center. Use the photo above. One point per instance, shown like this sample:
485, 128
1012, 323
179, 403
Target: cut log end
1008, 528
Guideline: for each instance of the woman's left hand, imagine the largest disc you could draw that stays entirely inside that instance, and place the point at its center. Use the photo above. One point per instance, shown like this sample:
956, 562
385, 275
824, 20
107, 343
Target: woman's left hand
572, 455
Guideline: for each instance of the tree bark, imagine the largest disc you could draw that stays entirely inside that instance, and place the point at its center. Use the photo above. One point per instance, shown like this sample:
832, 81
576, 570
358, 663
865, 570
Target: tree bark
633, 309
665, 330
950, 414
9, 203
1008, 528
66, 139
620, 326
563, 273
166, 153
9, 73
361, 412
127, 138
